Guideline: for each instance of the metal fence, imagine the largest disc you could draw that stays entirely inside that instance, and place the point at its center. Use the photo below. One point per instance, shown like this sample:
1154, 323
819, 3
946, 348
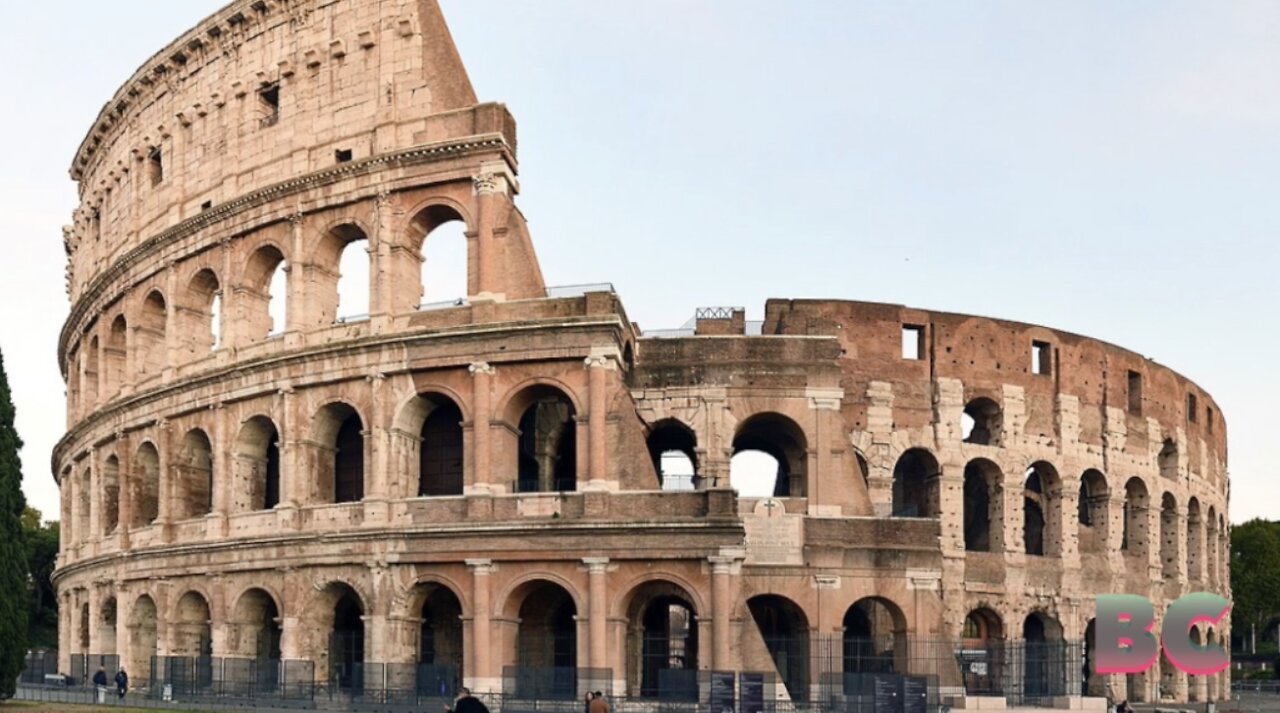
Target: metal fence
178, 678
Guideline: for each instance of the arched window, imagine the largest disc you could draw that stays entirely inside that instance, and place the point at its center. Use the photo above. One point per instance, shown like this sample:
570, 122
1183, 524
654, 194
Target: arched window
353, 275
673, 449
546, 642
440, 643
983, 485
1169, 536
1041, 514
1136, 505
873, 635
116, 357
1092, 512
109, 517
444, 257
145, 486
341, 469
192, 632
152, 344
440, 464
773, 442
915, 484
257, 470
548, 446
265, 296
1046, 660
193, 494
203, 313
662, 648
347, 639
982, 422
256, 632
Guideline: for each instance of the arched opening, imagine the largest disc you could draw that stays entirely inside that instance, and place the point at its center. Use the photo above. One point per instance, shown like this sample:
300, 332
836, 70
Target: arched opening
873, 639
1136, 505
983, 506
91, 374
1168, 459
1169, 536
440, 652
982, 657
546, 643
346, 639
785, 448
257, 630
192, 633
257, 476
444, 256
193, 491
673, 448
1195, 540
109, 515
915, 484
547, 460
202, 313
151, 343
340, 432
1045, 658
785, 630
662, 643
440, 461
142, 639
982, 422
864, 468
1041, 512
115, 356
1092, 512
146, 486
106, 634
354, 267
266, 294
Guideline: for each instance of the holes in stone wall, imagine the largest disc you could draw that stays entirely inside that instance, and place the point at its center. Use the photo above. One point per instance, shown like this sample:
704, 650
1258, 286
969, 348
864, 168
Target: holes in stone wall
982, 422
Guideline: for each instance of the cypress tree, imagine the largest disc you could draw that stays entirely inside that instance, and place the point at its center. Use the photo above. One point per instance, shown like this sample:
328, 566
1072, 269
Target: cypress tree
14, 592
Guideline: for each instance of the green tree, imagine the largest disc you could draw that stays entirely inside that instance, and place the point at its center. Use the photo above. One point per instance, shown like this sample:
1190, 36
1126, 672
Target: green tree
42, 556
14, 572
1255, 577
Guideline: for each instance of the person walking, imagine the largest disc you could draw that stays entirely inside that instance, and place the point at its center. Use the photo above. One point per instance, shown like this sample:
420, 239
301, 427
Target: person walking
100, 686
466, 703
598, 703
122, 683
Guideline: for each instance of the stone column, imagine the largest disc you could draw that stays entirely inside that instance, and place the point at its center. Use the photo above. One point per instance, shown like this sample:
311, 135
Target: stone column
598, 372
164, 517
481, 475
723, 568
480, 664
125, 478
378, 475
95, 502
485, 185
597, 612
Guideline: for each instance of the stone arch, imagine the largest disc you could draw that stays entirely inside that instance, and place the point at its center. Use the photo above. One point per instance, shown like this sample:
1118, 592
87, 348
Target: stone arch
873, 636
983, 506
662, 641
335, 620
143, 639
193, 481
784, 628
915, 484
547, 440
784, 441
1045, 661
201, 312
151, 329
266, 280
145, 485
1135, 539
1091, 512
191, 627
115, 357
109, 510
673, 449
982, 422
430, 428
1042, 510
1195, 540
108, 616
1169, 561
983, 634
546, 640
328, 281
430, 228
337, 430
256, 630
257, 466
440, 650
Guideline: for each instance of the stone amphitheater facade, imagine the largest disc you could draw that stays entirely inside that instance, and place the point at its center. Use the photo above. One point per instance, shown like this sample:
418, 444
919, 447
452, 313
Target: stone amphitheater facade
481, 485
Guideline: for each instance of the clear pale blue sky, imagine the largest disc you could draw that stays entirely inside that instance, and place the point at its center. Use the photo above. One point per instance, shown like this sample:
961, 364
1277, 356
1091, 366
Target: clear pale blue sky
1105, 168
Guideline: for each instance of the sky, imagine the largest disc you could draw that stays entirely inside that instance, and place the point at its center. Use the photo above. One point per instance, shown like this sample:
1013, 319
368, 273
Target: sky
1103, 168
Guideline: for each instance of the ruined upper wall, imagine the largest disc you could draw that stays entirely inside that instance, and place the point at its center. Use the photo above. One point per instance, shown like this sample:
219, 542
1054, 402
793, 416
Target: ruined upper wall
260, 93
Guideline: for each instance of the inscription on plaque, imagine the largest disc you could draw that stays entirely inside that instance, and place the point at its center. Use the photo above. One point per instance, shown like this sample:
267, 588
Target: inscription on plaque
773, 536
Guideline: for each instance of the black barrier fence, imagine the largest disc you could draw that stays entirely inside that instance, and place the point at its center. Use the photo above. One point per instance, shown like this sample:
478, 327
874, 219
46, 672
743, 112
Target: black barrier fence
178, 678
37, 666
552, 683
84, 666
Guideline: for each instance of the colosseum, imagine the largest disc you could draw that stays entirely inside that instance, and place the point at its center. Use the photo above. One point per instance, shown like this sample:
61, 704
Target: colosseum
520, 490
